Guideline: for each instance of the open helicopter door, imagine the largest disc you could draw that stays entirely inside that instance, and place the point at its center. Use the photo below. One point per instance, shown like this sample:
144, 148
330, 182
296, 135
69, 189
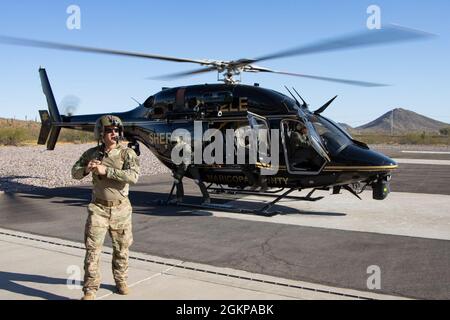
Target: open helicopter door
261, 131
303, 148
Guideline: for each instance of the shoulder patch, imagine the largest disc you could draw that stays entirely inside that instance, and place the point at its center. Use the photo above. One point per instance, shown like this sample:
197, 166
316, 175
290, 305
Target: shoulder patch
129, 158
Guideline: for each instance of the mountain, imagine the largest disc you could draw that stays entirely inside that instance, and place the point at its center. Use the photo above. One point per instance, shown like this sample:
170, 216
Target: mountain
402, 121
347, 127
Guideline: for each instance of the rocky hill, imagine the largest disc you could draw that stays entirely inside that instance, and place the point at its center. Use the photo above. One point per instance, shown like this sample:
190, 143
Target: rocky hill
402, 121
347, 127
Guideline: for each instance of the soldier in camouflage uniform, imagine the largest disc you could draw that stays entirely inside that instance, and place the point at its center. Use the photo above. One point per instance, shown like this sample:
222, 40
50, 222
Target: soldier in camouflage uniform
113, 168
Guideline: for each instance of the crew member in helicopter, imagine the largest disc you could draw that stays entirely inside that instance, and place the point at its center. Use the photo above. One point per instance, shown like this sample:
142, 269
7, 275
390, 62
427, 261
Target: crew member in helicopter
300, 147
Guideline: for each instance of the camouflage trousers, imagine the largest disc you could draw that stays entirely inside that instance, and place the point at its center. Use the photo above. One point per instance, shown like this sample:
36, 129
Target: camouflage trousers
116, 221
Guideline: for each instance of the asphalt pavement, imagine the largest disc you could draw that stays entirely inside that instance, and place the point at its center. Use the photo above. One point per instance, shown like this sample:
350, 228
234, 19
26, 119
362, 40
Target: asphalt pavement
332, 242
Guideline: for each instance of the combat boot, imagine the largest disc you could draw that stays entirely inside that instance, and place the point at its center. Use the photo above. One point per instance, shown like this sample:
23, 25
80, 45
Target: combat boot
89, 295
122, 288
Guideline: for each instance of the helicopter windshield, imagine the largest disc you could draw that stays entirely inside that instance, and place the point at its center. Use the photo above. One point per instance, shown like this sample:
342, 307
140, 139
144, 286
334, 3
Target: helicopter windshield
332, 137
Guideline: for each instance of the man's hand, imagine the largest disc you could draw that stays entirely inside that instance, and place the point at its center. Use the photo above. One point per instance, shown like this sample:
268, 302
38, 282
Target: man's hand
92, 165
99, 169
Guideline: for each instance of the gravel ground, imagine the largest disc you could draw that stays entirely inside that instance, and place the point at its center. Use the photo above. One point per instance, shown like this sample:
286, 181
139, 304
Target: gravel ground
25, 168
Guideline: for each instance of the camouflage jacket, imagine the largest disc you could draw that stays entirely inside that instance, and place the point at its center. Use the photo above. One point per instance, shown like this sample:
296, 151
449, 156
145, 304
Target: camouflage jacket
122, 168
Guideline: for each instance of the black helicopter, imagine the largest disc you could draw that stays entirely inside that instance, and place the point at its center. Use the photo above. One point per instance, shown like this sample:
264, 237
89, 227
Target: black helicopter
331, 159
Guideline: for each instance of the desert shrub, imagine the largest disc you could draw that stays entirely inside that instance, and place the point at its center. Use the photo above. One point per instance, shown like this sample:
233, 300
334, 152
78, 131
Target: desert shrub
423, 138
410, 138
376, 138
444, 131
75, 136
26, 133
13, 136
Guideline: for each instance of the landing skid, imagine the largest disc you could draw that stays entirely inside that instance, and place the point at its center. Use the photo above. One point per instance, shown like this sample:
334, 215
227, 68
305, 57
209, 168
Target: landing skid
268, 193
263, 211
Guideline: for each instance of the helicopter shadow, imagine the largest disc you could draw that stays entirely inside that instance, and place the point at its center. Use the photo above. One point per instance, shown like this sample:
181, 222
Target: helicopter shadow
151, 203
288, 210
284, 210
146, 202
15, 189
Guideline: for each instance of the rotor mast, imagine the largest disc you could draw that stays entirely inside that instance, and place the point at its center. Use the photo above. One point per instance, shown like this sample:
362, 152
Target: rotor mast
228, 75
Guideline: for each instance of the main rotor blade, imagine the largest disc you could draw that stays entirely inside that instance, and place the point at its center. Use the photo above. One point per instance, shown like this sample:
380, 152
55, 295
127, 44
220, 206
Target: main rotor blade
345, 81
386, 35
68, 47
183, 74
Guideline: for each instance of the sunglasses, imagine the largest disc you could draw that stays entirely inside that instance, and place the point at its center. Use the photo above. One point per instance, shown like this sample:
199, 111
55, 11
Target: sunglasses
110, 130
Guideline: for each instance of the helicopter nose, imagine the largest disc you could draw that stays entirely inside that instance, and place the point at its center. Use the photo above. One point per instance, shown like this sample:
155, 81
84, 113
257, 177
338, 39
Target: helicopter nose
391, 162
379, 159
358, 156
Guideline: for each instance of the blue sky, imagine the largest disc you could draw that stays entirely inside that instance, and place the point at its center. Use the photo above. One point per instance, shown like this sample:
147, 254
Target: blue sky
224, 30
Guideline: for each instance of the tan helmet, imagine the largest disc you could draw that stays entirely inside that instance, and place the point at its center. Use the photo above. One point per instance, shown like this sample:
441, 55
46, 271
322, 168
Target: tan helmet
107, 121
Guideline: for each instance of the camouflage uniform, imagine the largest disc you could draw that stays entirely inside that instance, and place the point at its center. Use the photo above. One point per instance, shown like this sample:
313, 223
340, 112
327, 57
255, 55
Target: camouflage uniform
110, 210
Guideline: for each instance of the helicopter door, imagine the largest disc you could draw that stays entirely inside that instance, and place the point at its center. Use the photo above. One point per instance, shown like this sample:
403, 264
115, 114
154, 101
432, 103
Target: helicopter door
261, 128
303, 149
316, 141
196, 132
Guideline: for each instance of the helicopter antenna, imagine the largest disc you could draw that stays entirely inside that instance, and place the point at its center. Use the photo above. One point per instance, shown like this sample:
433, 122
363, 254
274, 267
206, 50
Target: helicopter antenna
304, 103
298, 103
136, 101
323, 108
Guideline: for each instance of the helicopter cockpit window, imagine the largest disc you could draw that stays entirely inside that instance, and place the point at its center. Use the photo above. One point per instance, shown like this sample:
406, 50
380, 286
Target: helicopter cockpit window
254, 134
261, 130
299, 150
158, 112
149, 102
334, 139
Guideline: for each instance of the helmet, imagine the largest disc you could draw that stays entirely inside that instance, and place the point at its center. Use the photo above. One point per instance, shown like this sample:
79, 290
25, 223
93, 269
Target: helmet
107, 121
300, 127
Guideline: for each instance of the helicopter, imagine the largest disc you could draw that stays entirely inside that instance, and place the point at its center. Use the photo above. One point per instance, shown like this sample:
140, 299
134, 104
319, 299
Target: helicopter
330, 158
